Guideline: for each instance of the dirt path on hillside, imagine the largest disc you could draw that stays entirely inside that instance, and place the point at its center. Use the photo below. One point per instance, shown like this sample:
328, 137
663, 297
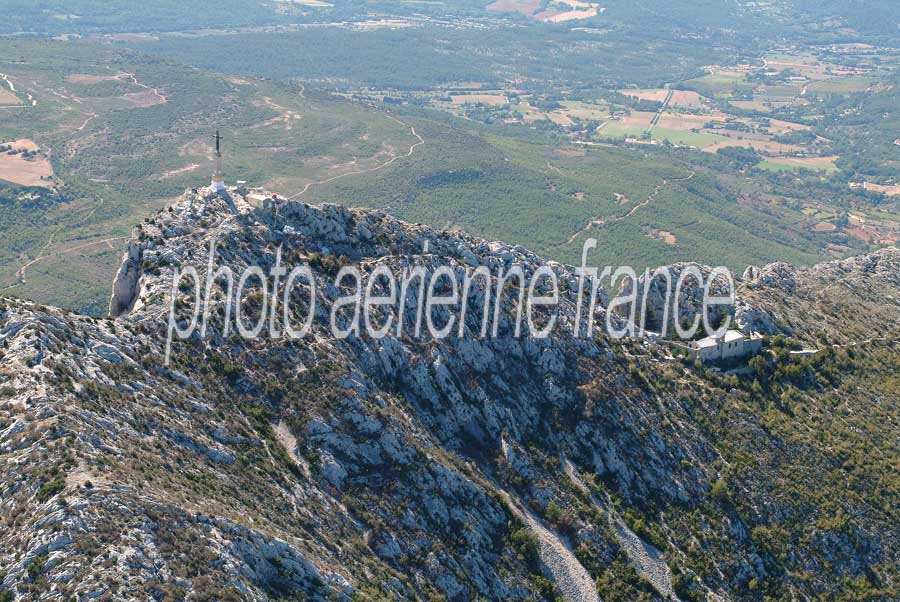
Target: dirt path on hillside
155, 91
599, 222
12, 88
87, 121
20, 273
391, 161
5, 78
42, 254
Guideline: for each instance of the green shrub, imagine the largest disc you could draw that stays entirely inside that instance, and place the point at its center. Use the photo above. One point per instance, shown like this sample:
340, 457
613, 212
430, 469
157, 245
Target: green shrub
50, 488
719, 492
526, 544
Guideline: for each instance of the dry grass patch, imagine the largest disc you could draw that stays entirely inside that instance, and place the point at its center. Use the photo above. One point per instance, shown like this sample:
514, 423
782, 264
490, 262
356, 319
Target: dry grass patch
147, 98
582, 110
767, 147
665, 236
25, 144
525, 7
559, 118
85, 78
815, 163
569, 15
26, 172
780, 127
650, 94
8, 98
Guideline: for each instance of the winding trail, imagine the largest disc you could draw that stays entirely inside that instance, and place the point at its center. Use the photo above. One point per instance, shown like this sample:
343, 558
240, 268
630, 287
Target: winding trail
596, 223
12, 88
556, 169
5, 78
42, 254
412, 149
135, 81
87, 121
842, 345
20, 273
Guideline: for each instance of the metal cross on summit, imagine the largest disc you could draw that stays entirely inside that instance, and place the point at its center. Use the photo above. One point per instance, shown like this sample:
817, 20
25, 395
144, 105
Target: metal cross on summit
218, 178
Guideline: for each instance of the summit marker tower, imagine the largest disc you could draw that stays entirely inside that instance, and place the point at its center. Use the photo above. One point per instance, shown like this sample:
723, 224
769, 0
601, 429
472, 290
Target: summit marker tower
218, 178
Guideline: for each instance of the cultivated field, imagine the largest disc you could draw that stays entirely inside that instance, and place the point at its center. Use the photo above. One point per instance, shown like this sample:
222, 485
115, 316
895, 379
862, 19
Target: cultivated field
765, 147
558, 11
794, 163
525, 7
654, 94
687, 99
17, 169
493, 100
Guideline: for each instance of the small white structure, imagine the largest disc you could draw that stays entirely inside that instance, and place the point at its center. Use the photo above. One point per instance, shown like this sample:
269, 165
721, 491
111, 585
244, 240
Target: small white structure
732, 344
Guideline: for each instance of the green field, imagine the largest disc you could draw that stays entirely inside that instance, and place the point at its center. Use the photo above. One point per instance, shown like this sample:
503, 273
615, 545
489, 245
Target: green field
718, 85
846, 85
617, 129
687, 138
774, 165
778, 167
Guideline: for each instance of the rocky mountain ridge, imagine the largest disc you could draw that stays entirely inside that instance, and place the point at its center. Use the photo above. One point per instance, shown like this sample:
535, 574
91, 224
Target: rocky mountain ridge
508, 468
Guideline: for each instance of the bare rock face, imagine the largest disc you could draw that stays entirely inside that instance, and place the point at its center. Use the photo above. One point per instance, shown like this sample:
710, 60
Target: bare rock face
661, 308
749, 320
777, 275
409, 468
750, 274
126, 287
